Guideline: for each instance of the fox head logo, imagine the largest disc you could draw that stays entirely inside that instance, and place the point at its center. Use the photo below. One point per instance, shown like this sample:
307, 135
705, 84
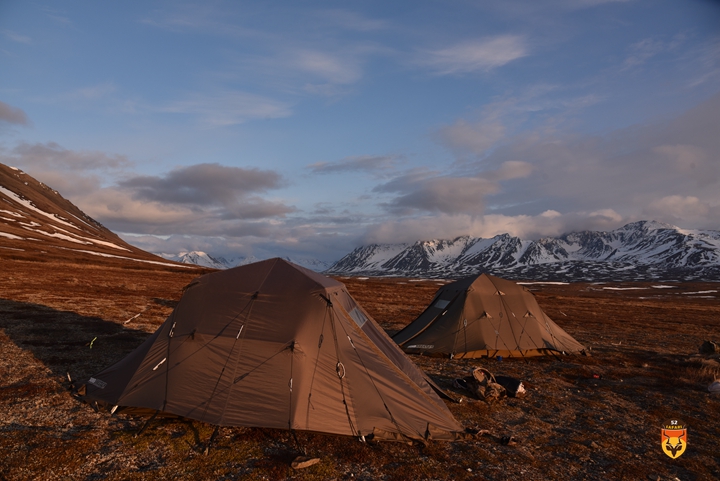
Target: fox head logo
674, 438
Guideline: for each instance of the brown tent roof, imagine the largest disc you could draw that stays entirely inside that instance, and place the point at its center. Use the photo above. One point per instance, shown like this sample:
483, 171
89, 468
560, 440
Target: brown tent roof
484, 316
274, 345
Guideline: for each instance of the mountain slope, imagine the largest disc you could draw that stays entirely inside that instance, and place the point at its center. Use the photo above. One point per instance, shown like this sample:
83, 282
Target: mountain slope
643, 250
37, 223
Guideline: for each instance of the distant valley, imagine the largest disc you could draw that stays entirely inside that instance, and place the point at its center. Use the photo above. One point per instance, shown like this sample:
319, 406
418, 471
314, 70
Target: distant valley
226, 262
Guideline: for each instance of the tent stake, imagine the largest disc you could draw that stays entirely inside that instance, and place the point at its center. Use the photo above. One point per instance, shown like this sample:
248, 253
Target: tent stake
147, 423
212, 438
297, 443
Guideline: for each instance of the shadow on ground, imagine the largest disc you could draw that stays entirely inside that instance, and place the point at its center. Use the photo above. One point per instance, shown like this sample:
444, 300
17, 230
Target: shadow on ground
67, 342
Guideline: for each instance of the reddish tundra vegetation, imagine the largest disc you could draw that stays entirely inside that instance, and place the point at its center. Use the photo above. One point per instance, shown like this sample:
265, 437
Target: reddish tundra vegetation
583, 417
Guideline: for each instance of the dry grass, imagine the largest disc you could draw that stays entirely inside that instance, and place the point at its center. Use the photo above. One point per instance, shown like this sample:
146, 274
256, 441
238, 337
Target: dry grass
583, 418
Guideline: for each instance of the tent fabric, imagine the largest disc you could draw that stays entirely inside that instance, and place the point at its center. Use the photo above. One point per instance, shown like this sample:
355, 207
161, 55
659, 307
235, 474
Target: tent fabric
274, 345
484, 316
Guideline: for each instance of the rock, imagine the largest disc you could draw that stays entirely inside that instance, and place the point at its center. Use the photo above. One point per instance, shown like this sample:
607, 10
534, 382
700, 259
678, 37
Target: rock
714, 387
303, 462
709, 347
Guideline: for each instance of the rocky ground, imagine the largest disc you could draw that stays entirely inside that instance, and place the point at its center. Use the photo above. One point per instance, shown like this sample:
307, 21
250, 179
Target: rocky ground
594, 417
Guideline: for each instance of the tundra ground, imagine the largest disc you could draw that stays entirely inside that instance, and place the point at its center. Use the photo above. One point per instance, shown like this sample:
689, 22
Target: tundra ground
595, 417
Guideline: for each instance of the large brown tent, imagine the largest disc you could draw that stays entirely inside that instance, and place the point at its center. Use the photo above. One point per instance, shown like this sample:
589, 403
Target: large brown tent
274, 345
485, 316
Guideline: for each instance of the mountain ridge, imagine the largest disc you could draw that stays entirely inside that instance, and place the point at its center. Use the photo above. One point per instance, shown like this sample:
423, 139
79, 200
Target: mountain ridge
642, 250
39, 224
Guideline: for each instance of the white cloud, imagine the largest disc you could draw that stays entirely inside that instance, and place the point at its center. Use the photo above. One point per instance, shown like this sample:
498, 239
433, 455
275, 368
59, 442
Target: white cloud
643, 51
117, 207
362, 163
428, 191
623, 170
707, 64
228, 107
511, 169
57, 15
445, 226
95, 91
300, 68
51, 155
473, 137
16, 37
691, 161
12, 115
350, 20
209, 199
203, 184
545, 183
475, 55
209, 18
606, 215
500, 120
297, 51
681, 210
550, 214
331, 68
70, 172
445, 194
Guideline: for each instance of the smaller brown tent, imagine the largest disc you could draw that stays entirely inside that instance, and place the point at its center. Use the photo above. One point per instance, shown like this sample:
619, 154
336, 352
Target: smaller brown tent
274, 345
485, 316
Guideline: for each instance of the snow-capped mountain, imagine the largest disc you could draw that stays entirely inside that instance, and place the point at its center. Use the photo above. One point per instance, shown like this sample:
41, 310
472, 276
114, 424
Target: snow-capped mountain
310, 263
200, 258
36, 222
223, 262
636, 251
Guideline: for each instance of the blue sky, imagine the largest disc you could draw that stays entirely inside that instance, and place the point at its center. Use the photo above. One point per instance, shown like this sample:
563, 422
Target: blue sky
307, 128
